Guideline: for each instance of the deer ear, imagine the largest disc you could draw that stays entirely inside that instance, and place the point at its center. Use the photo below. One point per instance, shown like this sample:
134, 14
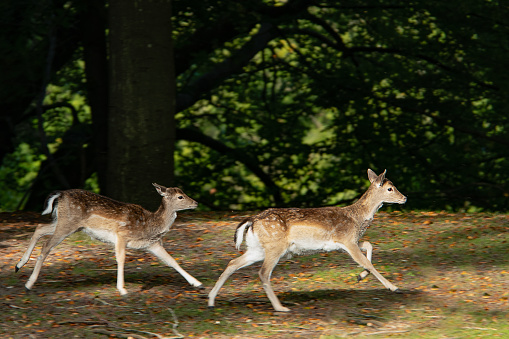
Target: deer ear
160, 189
380, 179
371, 175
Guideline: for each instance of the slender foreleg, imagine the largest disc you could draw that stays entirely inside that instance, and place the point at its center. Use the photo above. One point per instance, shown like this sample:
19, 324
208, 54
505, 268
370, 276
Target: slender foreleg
158, 250
356, 254
365, 245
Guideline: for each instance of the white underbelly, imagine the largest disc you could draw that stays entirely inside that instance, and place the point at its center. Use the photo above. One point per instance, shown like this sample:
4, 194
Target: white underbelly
102, 235
299, 246
102, 229
308, 239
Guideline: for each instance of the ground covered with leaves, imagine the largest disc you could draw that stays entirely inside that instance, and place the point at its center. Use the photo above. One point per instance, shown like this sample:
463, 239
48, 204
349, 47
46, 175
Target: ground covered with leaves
453, 270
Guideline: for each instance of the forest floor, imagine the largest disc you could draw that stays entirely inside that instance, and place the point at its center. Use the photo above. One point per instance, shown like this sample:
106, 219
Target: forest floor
453, 270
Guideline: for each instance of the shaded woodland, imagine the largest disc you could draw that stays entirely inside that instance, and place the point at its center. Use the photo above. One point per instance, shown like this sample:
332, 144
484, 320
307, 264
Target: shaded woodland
254, 104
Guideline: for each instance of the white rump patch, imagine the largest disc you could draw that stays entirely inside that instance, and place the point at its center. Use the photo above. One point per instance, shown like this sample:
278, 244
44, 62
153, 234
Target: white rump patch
252, 241
255, 251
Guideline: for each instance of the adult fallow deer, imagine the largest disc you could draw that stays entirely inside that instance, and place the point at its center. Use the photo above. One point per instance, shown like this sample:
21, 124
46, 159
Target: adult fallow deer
277, 232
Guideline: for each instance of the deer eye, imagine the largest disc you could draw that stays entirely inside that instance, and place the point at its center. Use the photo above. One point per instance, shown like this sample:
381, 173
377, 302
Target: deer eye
180, 197
389, 189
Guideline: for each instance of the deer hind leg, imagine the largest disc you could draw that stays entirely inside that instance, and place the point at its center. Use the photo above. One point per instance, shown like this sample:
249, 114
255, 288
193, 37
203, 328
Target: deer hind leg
356, 254
366, 245
59, 234
40, 231
265, 273
158, 250
252, 255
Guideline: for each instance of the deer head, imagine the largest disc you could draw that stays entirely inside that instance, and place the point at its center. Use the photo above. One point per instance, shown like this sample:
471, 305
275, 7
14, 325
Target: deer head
384, 189
175, 197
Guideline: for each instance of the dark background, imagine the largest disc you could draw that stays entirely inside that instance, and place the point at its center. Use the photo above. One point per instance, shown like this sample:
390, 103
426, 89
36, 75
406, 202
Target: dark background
255, 104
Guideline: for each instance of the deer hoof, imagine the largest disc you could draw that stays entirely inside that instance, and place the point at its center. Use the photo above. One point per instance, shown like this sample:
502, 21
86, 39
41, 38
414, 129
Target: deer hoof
282, 309
398, 291
16, 269
363, 275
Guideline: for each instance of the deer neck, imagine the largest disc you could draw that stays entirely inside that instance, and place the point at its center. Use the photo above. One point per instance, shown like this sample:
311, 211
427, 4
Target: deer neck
164, 216
366, 207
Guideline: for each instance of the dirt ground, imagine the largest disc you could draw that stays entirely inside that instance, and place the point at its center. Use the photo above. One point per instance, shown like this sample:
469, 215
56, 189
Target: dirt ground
452, 268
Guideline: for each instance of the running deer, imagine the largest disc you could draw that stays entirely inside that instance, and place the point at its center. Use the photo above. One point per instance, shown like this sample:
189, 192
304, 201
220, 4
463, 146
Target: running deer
277, 232
110, 221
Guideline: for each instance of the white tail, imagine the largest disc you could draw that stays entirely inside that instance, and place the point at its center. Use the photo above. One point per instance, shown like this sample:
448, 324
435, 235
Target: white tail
111, 221
239, 233
49, 203
277, 232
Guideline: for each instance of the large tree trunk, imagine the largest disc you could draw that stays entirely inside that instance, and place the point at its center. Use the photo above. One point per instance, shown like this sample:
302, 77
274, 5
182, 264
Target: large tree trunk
141, 130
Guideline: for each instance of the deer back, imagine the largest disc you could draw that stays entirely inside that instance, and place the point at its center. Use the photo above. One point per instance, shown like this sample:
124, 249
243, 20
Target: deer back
84, 205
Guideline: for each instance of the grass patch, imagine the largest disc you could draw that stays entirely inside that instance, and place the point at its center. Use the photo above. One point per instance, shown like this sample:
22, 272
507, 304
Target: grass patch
452, 269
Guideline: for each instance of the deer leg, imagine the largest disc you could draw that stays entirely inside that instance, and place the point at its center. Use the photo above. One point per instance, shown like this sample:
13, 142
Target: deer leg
356, 254
366, 245
251, 256
268, 265
158, 250
58, 236
40, 231
120, 256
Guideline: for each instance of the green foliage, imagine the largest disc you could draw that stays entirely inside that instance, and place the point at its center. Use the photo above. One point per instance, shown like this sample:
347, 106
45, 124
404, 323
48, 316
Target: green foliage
410, 88
17, 172
414, 88
66, 109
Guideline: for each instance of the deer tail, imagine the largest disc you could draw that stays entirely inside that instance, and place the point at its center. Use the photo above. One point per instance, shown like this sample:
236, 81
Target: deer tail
49, 202
240, 231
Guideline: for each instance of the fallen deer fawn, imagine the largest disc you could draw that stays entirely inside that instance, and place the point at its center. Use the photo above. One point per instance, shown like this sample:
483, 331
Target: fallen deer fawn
111, 221
277, 232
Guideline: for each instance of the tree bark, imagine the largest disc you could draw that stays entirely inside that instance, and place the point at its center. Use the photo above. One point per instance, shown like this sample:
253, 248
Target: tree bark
141, 128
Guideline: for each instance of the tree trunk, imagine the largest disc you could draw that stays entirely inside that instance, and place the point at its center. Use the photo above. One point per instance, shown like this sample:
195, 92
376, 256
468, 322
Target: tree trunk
141, 129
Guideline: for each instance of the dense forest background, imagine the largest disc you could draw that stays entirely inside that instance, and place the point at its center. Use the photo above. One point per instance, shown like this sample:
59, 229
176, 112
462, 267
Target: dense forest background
261, 103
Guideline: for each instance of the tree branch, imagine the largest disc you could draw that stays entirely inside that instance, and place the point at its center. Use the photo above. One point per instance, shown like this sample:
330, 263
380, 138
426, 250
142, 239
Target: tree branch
340, 45
272, 16
214, 35
251, 163
448, 122
311, 33
225, 69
